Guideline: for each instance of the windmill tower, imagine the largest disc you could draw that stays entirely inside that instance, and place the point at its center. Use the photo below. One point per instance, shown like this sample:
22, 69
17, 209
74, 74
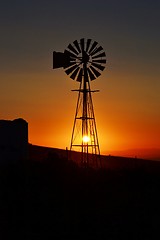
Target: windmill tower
83, 61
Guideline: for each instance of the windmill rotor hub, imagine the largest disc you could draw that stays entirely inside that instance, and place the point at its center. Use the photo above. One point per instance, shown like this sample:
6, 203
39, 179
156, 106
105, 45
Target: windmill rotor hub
85, 58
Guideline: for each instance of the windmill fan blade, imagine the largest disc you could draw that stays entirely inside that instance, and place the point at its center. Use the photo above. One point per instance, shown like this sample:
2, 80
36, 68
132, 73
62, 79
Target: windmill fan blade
72, 49
74, 73
96, 50
69, 64
100, 55
77, 46
98, 66
93, 47
99, 61
82, 44
71, 69
95, 71
88, 44
70, 54
79, 78
91, 75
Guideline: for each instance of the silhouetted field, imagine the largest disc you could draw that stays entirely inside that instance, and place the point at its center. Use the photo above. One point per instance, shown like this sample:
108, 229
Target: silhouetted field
56, 198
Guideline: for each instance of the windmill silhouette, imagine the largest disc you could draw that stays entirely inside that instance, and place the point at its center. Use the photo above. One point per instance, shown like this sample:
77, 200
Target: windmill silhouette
83, 61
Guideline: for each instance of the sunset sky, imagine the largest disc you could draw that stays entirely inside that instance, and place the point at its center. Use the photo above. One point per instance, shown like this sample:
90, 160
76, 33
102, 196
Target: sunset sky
127, 108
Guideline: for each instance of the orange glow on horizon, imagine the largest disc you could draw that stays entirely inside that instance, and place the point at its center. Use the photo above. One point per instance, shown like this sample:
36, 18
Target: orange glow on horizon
118, 126
123, 118
56, 133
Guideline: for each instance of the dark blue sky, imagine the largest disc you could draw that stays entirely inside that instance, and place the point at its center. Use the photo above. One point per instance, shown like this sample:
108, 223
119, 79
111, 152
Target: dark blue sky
31, 28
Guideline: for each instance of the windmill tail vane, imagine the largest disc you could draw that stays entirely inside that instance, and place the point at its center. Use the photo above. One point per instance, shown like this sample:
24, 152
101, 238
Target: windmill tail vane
83, 61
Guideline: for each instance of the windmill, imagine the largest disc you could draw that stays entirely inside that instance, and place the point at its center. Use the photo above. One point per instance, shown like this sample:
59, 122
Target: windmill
83, 61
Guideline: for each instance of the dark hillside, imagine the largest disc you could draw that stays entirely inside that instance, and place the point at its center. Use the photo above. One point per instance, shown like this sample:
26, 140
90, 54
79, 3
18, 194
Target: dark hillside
109, 162
56, 198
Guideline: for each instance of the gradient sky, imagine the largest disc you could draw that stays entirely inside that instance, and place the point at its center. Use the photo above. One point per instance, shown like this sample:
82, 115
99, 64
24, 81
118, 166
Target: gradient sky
127, 108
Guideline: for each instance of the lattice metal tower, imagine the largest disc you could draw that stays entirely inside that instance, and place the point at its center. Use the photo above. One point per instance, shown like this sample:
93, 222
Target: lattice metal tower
83, 61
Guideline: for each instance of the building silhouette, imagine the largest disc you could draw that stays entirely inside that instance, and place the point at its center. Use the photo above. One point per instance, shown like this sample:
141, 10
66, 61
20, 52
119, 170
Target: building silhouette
13, 139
